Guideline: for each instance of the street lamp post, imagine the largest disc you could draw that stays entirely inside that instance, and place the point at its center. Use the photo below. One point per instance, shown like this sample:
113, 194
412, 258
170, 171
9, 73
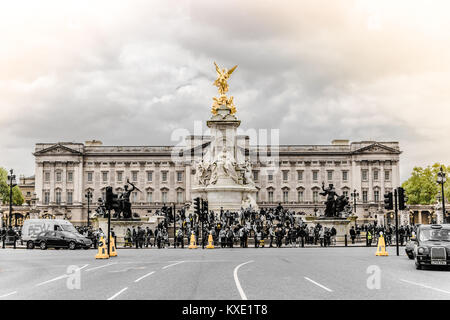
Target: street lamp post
441, 180
174, 225
355, 196
88, 196
12, 184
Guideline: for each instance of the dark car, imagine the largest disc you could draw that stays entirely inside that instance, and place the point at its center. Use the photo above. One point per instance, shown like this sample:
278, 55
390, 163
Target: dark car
61, 239
409, 249
432, 245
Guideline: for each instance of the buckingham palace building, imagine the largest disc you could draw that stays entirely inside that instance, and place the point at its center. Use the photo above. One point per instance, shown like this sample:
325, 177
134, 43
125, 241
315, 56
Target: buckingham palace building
66, 171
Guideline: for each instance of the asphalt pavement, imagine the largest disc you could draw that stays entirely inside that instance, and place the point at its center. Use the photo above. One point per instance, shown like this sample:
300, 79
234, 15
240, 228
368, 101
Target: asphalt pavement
236, 274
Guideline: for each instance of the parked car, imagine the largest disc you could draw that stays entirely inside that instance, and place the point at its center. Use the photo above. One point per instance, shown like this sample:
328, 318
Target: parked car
432, 245
61, 239
33, 227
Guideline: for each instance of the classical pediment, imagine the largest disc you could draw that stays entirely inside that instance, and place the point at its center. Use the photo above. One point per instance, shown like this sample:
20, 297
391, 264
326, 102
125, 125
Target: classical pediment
57, 149
376, 148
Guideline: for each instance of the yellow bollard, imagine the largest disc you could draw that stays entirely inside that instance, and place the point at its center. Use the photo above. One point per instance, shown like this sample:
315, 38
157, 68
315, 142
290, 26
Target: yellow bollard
381, 248
210, 242
102, 250
112, 247
193, 244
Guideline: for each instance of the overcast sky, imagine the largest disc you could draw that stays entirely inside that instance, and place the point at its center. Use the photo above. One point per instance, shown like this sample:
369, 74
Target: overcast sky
131, 72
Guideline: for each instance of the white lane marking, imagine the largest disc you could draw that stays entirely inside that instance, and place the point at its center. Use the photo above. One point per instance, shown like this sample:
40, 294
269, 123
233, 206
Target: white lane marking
173, 264
117, 294
60, 277
236, 280
318, 284
8, 294
148, 274
102, 266
425, 286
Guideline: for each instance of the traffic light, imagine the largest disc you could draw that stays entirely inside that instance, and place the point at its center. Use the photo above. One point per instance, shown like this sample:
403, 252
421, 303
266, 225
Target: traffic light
388, 201
197, 206
401, 198
205, 207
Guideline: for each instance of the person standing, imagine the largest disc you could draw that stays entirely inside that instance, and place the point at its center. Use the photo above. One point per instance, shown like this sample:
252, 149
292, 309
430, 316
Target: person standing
353, 234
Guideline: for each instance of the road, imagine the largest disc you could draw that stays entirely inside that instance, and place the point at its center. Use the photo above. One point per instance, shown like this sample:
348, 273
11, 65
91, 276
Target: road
286, 273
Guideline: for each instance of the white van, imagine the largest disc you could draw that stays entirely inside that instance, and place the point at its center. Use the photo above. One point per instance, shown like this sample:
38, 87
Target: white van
33, 227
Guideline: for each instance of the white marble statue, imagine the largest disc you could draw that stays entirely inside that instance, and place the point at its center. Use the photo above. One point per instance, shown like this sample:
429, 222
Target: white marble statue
248, 174
202, 173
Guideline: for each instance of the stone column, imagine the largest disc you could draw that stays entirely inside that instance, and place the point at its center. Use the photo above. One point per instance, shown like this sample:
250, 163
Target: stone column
52, 182
187, 177
370, 197
420, 216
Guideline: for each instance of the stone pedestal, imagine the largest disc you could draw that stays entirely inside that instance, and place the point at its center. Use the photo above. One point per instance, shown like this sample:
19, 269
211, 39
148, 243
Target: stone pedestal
230, 184
120, 226
342, 226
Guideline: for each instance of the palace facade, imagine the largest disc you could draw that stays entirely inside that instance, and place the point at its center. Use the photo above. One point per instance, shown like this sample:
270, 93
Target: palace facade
65, 171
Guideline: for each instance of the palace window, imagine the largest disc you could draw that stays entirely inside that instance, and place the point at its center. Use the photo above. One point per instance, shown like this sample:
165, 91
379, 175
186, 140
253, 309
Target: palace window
58, 196
149, 196
69, 176
134, 176
69, 197
270, 196
89, 176
300, 196
315, 196
375, 175
105, 176
135, 196
364, 175
376, 195
330, 175
58, 176
119, 176
46, 197
364, 196
270, 176
149, 176
47, 176
179, 197
315, 175
344, 175
179, 176
387, 175
164, 176
285, 196
299, 175
164, 196
285, 175
255, 175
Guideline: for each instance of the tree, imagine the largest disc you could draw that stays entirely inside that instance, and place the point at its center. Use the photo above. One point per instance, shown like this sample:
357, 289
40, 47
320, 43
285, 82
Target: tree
17, 197
422, 188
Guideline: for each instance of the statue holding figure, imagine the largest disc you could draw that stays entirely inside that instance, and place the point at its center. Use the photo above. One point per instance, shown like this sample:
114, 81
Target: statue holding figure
125, 201
229, 165
202, 173
330, 203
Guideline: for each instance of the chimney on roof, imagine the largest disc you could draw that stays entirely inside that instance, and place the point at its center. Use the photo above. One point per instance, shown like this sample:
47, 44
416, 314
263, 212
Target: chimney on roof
93, 143
340, 142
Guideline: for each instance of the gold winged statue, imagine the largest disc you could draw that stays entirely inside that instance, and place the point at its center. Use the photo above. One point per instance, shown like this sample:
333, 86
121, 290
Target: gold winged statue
222, 85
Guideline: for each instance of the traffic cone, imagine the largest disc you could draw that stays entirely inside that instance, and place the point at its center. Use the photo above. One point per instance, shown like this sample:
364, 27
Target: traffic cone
112, 247
102, 250
193, 244
210, 242
381, 249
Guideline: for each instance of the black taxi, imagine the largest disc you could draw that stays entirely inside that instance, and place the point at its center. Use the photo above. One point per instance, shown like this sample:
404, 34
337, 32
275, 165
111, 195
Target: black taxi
432, 245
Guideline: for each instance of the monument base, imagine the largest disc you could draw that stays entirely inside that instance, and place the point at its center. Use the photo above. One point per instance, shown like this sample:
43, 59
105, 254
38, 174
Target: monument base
231, 198
342, 225
120, 226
